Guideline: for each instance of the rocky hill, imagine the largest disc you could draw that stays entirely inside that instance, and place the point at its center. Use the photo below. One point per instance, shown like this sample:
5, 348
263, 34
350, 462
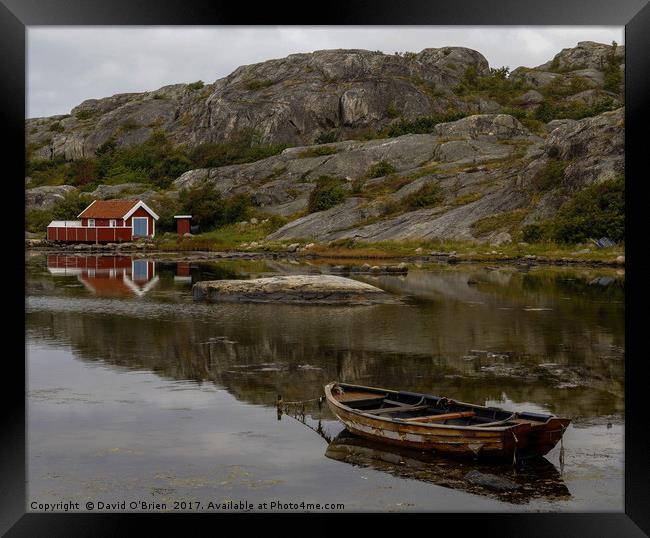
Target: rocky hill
428, 145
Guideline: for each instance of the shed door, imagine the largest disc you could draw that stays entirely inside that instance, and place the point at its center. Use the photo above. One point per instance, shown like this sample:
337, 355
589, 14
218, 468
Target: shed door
140, 226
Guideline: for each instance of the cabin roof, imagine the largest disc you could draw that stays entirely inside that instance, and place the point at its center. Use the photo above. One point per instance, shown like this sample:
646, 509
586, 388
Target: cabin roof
114, 209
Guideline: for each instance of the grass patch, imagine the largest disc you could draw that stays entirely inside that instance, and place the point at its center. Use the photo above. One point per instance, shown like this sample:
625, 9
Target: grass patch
380, 169
230, 238
256, 84
467, 198
227, 237
319, 151
507, 221
388, 186
391, 111
129, 125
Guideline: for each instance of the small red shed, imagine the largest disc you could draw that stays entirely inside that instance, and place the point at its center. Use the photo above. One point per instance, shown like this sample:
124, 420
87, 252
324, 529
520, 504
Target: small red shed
183, 224
106, 221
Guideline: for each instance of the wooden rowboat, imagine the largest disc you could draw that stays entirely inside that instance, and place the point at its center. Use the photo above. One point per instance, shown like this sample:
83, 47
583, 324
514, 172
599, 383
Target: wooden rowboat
426, 422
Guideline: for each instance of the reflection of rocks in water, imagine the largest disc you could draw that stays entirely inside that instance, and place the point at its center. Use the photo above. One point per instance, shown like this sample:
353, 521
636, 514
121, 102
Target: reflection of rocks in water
438, 346
533, 479
490, 481
297, 354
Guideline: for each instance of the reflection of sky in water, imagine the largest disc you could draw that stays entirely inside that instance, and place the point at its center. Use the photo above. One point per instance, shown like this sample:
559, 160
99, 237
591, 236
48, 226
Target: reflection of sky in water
204, 421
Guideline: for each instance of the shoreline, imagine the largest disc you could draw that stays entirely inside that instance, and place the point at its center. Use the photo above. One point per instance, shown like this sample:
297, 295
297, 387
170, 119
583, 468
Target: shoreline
451, 258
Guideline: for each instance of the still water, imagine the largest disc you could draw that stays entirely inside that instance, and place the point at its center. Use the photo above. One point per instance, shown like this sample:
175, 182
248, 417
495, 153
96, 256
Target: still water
136, 393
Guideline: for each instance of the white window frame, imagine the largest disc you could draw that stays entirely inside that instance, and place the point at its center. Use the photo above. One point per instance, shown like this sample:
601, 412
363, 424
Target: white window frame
91, 223
112, 223
133, 219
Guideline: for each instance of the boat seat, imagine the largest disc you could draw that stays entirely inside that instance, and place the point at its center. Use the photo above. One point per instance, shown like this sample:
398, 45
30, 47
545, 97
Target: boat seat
396, 409
444, 416
496, 423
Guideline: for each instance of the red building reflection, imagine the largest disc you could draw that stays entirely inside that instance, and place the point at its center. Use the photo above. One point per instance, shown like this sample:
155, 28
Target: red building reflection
107, 276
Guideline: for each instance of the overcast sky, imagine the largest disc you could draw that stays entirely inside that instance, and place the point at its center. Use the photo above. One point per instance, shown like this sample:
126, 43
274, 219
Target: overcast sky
69, 64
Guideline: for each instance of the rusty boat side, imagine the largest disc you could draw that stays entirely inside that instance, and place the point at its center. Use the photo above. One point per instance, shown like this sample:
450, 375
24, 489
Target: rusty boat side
434, 423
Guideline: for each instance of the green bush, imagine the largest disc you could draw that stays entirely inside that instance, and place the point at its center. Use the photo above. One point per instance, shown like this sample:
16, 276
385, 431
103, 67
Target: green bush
326, 137
166, 207
422, 124
210, 210
380, 169
156, 161
85, 114
242, 147
534, 233
496, 85
550, 176
193, 86
328, 193
573, 110
81, 172
72, 204
57, 127
613, 73
46, 171
613, 80
428, 195
36, 220
598, 211
238, 208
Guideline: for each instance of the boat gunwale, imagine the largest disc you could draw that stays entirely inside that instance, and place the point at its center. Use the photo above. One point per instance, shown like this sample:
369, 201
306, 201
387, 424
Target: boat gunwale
330, 398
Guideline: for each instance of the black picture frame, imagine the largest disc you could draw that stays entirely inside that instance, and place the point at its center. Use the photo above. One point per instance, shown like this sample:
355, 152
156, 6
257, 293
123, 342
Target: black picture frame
16, 15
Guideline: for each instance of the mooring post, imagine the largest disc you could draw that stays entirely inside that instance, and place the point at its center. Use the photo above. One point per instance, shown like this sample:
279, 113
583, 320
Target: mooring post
278, 405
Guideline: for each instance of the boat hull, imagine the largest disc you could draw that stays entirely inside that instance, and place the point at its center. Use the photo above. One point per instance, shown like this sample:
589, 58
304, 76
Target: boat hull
519, 441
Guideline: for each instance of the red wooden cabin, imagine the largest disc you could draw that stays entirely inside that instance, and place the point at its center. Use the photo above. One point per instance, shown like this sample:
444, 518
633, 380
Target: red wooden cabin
106, 221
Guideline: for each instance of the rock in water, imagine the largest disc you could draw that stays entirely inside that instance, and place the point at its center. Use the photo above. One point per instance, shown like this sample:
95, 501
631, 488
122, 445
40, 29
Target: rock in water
490, 481
306, 289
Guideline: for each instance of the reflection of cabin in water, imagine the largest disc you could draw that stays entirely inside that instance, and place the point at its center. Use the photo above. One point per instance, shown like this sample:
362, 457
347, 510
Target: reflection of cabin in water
107, 276
106, 221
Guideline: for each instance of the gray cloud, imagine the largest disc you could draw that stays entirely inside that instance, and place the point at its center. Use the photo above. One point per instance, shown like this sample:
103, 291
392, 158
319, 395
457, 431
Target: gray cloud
69, 64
